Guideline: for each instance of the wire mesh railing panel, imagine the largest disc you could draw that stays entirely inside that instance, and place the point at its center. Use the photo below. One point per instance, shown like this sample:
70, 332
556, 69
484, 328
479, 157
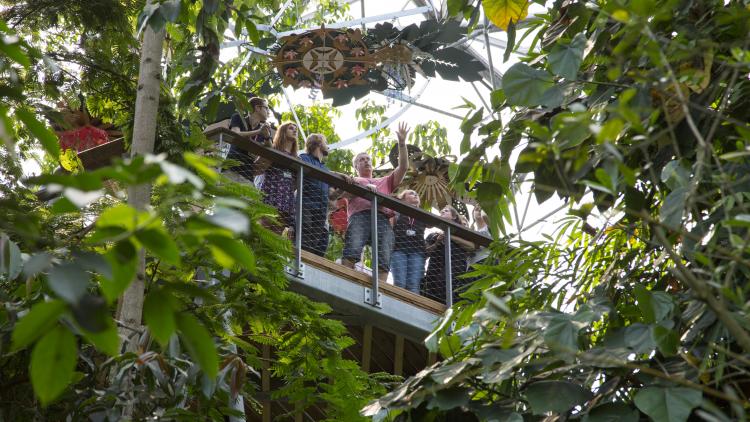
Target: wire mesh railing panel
413, 250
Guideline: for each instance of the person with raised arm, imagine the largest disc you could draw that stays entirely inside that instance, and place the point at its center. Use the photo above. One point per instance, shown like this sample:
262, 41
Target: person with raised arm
358, 232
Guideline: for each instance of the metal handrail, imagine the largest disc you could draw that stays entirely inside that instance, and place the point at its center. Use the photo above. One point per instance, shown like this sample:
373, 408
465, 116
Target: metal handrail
387, 201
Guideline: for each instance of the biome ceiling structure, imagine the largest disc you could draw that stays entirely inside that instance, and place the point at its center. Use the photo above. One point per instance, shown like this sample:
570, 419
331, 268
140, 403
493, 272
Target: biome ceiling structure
345, 63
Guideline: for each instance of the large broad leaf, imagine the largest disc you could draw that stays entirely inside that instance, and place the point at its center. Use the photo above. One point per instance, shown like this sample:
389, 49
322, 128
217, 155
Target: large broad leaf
229, 251
158, 312
526, 86
502, 12
69, 281
654, 306
612, 412
123, 273
40, 131
161, 245
106, 341
666, 340
199, 344
11, 261
37, 322
668, 404
562, 334
638, 337
53, 362
565, 59
673, 207
555, 396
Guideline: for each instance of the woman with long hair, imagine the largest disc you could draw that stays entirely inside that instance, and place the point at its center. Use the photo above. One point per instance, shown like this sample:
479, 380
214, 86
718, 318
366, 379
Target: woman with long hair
408, 256
279, 182
433, 283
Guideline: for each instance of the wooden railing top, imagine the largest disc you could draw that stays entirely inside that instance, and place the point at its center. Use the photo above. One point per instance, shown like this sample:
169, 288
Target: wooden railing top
336, 181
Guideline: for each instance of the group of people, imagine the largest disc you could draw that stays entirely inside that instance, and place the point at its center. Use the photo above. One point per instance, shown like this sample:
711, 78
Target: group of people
403, 250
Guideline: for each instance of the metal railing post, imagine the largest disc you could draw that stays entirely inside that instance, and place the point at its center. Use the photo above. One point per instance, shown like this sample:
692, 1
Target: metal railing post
298, 223
448, 269
374, 244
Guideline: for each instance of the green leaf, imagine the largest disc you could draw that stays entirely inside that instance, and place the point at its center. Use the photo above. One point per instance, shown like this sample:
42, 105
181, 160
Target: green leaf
612, 412
668, 404
233, 249
431, 342
199, 344
123, 273
106, 341
675, 175
565, 59
555, 396
497, 98
526, 86
170, 10
53, 362
160, 244
643, 297
11, 262
231, 219
511, 36
44, 135
673, 207
666, 340
503, 12
158, 312
69, 281
37, 322
562, 334
121, 215
14, 52
37, 263
456, 6
638, 337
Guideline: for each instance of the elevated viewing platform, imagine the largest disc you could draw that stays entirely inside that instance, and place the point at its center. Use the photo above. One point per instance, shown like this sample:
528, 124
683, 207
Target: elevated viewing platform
360, 297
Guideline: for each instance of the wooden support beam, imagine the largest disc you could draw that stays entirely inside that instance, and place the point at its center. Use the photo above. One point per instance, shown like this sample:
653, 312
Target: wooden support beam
366, 348
265, 381
398, 356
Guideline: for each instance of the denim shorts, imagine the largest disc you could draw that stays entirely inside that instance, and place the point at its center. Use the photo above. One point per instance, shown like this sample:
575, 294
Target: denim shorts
358, 235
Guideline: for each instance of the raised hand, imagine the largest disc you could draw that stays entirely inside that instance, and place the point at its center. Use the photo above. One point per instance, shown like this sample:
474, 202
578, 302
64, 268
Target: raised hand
402, 131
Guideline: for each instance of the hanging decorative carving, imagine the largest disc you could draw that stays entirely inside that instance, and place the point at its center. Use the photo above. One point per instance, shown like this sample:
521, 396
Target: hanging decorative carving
428, 176
345, 64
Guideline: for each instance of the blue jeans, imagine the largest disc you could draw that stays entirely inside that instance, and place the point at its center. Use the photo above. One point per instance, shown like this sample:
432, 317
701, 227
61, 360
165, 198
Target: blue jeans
407, 269
358, 234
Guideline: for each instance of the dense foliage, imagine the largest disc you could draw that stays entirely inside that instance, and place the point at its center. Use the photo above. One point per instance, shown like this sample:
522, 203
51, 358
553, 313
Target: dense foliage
215, 278
635, 114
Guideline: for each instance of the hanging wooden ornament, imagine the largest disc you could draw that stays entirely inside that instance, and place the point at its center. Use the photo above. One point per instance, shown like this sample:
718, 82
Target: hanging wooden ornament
346, 64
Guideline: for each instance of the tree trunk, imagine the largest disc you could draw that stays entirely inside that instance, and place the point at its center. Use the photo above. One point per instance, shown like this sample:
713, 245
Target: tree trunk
144, 134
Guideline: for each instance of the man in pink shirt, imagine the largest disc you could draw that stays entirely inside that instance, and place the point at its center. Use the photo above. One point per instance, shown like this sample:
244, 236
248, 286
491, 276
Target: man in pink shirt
358, 233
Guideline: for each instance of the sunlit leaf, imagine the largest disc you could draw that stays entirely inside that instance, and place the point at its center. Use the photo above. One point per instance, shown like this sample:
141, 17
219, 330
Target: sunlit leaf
37, 322
502, 12
161, 245
53, 361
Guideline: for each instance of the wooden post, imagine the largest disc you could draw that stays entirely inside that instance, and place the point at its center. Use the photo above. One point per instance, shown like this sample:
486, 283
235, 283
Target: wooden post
398, 356
366, 347
265, 381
